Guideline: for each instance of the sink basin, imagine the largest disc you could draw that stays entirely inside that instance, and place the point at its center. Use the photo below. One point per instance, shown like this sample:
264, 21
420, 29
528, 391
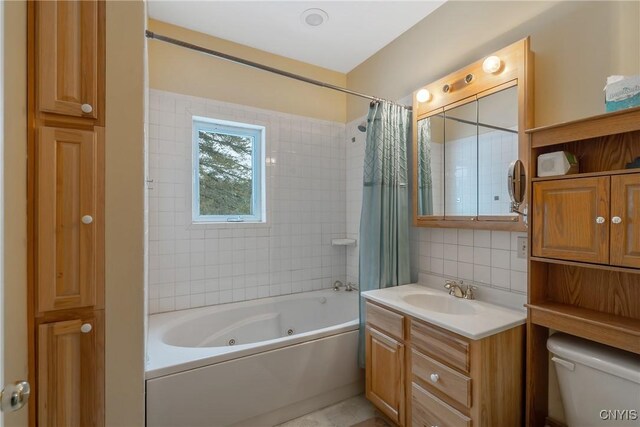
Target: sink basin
442, 304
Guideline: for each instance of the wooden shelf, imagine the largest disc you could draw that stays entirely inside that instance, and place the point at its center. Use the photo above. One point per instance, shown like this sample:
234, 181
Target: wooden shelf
609, 329
586, 175
607, 267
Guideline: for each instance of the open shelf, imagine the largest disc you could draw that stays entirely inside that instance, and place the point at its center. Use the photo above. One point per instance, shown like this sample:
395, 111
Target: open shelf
606, 267
610, 329
586, 175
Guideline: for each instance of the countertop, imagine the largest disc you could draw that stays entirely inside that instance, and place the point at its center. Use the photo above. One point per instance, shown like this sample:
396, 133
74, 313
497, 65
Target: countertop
484, 319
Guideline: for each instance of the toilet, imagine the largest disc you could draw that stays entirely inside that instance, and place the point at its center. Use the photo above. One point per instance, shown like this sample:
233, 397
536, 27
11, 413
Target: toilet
599, 385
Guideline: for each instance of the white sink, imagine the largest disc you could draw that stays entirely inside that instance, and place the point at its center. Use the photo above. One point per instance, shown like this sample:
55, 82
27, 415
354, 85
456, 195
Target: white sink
446, 304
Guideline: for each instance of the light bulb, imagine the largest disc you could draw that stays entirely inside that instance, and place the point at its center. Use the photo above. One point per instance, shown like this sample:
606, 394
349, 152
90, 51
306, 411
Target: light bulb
423, 95
492, 65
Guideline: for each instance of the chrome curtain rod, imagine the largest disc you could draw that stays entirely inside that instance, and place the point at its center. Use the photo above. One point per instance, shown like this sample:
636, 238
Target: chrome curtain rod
152, 35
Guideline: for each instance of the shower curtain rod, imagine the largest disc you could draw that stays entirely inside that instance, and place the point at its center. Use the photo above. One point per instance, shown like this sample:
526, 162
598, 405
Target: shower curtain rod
166, 39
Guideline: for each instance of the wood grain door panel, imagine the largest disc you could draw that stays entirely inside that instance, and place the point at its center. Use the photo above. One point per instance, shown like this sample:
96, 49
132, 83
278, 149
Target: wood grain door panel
385, 374
71, 373
67, 189
625, 235
68, 50
565, 216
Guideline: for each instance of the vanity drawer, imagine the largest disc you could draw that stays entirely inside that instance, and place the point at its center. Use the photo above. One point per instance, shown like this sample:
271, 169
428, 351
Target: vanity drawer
427, 411
448, 381
385, 320
440, 345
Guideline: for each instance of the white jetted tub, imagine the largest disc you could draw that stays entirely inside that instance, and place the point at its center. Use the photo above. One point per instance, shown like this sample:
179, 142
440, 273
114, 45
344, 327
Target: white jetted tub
253, 363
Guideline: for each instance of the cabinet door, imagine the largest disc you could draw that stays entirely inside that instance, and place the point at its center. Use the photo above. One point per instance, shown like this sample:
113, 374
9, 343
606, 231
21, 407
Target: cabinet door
68, 35
71, 372
68, 221
625, 220
571, 219
385, 374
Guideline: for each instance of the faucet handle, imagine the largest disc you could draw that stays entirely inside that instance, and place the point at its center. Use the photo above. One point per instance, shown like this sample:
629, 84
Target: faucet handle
468, 292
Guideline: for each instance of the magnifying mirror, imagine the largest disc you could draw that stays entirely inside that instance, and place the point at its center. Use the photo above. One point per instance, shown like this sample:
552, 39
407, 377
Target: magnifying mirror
517, 185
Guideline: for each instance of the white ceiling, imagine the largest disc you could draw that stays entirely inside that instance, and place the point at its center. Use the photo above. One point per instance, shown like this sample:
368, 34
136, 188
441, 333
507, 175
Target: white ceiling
354, 31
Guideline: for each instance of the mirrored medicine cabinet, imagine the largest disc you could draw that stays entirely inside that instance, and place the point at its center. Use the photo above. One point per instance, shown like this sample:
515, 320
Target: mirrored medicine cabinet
468, 130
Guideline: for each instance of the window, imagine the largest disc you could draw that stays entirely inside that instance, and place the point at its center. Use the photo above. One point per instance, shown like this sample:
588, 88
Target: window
228, 174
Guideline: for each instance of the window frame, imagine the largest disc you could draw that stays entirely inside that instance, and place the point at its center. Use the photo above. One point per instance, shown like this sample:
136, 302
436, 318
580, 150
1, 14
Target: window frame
258, 133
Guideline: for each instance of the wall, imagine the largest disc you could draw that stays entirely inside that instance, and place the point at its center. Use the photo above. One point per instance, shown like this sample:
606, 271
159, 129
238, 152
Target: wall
192, 265
14, 145
124, 213
179, 70
576, 44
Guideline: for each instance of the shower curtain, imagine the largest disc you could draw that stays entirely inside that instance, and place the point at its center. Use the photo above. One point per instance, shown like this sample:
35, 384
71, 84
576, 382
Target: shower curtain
384, 221
425, 183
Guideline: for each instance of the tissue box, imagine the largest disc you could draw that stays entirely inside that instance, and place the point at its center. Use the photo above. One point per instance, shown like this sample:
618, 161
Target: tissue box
557, 163
622, 92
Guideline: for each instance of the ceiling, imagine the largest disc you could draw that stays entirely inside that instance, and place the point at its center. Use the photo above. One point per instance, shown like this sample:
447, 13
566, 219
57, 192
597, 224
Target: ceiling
353, 32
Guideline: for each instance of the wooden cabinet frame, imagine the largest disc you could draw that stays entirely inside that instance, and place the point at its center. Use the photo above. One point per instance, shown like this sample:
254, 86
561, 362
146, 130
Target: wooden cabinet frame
517, 69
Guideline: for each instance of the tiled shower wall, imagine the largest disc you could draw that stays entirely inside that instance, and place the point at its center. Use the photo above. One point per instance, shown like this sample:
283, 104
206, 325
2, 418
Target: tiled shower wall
192, 265
486, 258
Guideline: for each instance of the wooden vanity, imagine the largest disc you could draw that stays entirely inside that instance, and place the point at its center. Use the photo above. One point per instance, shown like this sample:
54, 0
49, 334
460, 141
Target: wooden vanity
421, 375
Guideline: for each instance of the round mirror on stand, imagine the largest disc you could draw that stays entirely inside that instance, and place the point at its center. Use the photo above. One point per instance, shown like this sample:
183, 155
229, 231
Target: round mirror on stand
517, 185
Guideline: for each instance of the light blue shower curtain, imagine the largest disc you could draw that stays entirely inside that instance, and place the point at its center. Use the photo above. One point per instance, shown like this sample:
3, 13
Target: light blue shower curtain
384, 221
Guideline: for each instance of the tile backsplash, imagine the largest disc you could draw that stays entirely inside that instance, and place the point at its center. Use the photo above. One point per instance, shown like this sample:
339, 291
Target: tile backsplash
192, 265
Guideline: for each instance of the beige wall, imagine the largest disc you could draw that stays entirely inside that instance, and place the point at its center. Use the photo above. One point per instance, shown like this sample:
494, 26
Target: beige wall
15, 200
576, 44
125, 113
179, 70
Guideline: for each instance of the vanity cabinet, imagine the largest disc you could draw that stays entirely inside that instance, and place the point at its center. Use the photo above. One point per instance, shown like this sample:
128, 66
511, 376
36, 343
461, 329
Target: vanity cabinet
429, 376
591, 219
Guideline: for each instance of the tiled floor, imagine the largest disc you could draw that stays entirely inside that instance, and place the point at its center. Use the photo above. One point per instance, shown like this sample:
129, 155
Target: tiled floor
353, 412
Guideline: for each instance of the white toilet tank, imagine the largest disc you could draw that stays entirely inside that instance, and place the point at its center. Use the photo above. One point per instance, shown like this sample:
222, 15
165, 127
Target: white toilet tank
599, 385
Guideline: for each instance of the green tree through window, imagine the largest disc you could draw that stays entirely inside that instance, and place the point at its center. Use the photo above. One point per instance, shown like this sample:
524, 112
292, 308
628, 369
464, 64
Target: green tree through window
225, 173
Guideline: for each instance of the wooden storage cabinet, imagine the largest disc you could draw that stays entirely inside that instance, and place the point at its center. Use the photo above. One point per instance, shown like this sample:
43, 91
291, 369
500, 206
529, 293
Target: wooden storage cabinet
70, 377
625, 232
70, 64
66, 88
592, 219
385, 374
68, 220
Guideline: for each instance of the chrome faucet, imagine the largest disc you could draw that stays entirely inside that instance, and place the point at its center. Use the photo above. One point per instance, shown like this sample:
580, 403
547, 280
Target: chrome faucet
455, 289
351, 287
337, 285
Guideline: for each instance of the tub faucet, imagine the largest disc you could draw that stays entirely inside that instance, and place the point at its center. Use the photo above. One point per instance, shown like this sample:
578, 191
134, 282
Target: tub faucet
337, 285
351, 287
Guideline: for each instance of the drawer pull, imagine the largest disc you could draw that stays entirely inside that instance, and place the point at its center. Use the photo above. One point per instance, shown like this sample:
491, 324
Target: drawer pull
616, 220
85, 328
87, 219
600, 220
434, 378
86, 108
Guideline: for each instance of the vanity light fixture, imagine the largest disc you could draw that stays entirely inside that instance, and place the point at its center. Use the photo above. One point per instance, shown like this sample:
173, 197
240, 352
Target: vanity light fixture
446, 88
423, 95
492, 65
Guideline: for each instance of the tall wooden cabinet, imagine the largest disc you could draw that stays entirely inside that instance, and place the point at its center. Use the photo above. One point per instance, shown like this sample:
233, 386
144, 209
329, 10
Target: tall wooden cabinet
66, 211
584, 268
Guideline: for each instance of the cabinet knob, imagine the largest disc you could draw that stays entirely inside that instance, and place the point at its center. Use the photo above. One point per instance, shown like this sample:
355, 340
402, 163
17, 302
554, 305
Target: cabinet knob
434, 378
600, 220
86, 108
616, 220
87, 219
86, 328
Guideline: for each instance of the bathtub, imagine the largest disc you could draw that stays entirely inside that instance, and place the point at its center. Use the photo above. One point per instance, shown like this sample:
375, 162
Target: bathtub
253, 363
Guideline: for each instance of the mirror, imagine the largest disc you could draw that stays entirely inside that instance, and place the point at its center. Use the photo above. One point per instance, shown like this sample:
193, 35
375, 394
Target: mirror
430, 171
517, 184
497, 149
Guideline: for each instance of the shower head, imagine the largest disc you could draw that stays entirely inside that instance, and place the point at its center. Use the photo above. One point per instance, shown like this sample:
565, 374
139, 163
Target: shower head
362, 127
